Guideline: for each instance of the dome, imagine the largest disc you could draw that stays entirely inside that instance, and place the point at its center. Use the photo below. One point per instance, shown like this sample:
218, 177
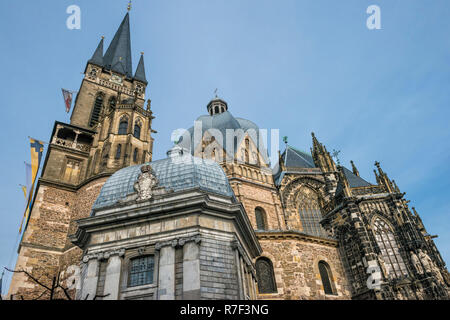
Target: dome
223, 122
179, 172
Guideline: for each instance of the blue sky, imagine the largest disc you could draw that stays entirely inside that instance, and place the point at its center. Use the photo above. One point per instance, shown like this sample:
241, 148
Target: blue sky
294, 65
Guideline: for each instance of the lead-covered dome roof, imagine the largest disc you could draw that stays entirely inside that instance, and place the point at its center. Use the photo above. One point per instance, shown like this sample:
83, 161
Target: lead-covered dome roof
180, 171
222, 122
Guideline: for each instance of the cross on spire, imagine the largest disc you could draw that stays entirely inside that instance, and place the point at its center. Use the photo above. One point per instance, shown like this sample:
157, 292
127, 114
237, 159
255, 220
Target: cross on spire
335, 155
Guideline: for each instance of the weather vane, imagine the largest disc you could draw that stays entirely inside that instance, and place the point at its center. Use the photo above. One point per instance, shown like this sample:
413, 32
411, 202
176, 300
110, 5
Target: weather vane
215, 92
335, 155
285, 139
129, 5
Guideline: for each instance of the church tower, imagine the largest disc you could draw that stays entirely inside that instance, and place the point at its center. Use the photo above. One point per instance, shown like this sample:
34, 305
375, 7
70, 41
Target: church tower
110, 128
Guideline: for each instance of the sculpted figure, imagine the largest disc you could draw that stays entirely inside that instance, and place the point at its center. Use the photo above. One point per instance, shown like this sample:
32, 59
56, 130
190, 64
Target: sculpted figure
145, 183
416, 263
426, 261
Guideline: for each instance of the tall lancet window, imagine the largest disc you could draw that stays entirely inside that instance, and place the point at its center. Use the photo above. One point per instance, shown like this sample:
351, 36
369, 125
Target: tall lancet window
309, 212
393, 261
123, 126
98, 104
137, 129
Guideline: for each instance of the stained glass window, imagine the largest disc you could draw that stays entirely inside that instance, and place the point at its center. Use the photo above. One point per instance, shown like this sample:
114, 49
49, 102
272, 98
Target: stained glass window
310, 214
395, 266
265, 275
141, 271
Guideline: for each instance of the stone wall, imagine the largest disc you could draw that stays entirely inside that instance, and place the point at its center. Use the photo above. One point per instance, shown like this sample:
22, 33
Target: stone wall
45, 249
296, 270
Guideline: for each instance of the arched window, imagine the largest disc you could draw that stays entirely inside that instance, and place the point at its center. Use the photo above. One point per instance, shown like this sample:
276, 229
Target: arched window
141, 271
309, 212
216, 109
135, 154
137, 130
123, 126
96, 110
265, 276
325, 275
260, 219
118, 151
395, 267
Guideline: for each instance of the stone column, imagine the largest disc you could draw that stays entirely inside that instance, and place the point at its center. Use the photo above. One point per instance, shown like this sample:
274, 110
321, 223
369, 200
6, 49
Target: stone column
191, 268
89, 284
112, 279
166, 273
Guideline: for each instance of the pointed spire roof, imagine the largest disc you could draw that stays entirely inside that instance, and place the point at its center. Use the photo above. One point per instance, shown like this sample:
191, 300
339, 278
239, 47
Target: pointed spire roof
118, 56
97, 57
140, 71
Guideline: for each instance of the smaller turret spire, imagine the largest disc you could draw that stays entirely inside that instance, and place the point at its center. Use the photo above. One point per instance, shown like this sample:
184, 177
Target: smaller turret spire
384, 179
140, 70
97, 57
321, 156
355, 170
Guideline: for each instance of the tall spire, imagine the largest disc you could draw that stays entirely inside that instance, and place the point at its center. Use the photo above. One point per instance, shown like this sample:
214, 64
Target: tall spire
140, 71
97, 57
118, 56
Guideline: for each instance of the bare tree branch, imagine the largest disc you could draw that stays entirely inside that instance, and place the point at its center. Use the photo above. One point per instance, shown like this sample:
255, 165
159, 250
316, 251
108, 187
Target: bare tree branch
31, 277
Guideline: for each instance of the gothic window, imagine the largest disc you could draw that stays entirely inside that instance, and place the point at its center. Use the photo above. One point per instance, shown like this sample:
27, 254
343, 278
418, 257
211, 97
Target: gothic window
135, 155
325, 275
141, 271
96, 110
247, 158
395, 267
118, 151
260, 219
123, 126
310, 214
137, 130
265, 276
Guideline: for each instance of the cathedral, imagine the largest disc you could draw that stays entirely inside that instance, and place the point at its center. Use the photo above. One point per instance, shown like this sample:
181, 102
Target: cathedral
214, 219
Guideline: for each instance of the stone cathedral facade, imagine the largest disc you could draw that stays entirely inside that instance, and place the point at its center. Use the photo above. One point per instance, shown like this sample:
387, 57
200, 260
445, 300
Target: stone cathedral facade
213, 220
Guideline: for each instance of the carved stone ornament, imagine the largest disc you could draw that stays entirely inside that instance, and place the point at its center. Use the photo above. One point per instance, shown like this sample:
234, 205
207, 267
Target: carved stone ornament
145, 184
416, 263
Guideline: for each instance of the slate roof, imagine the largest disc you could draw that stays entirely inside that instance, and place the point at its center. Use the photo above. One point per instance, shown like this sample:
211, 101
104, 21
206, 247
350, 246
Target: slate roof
353, 180
295, 158
118, 56
140, 71
97, 57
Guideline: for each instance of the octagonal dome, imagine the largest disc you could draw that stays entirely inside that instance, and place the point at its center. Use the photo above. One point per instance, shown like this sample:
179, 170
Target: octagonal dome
180, 171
